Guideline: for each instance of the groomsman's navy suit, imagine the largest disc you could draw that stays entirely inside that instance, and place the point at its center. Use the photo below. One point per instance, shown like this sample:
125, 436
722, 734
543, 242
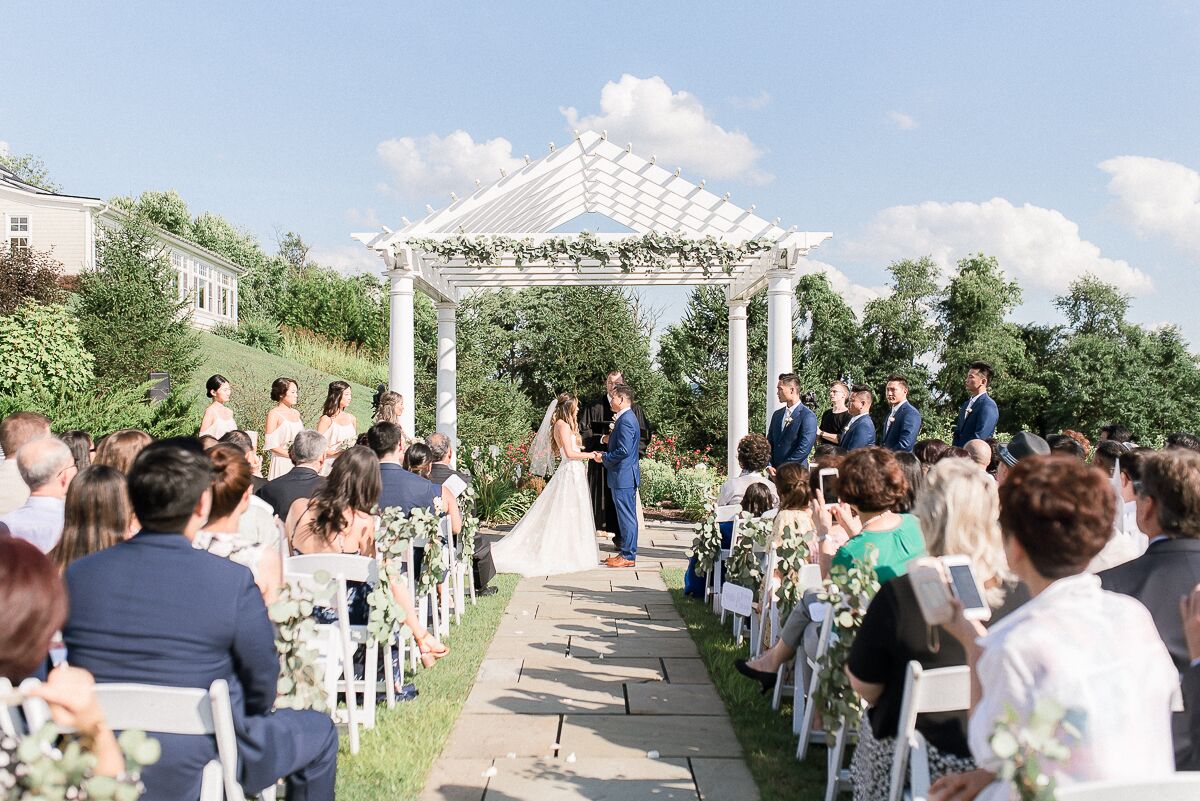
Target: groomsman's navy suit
154, 610
624, 475
793, 442
859, 433
979, 424
901, 433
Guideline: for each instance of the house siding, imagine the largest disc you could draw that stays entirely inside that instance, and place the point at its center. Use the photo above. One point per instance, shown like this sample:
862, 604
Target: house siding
53, 226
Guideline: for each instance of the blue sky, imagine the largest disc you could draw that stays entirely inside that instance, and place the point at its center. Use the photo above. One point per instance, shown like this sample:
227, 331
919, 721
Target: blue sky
905, 129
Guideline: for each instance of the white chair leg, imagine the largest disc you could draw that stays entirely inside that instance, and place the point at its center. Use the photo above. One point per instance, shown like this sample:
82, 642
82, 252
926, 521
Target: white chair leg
389, 687
835, 756
210, 782
371, 683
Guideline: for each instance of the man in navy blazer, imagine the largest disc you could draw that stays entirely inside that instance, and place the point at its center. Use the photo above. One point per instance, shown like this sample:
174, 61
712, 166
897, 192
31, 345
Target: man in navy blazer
903, 424
154, 610
978, 415
793, 428
623, 474
860, 431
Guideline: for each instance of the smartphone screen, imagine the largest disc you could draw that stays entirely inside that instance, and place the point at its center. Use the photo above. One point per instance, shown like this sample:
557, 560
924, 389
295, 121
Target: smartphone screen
964, 586
829, 488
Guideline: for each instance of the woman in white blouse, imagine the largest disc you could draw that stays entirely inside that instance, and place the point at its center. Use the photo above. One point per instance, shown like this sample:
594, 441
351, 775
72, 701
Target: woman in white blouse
1096, 653
218, 417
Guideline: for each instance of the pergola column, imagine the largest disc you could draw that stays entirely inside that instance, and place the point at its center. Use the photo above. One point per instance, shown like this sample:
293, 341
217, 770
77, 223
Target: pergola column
738, 410
447, 373
779, 335
402, 345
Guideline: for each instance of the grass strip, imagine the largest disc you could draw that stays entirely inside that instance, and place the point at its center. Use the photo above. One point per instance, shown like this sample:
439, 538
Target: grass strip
395, 757
765, 735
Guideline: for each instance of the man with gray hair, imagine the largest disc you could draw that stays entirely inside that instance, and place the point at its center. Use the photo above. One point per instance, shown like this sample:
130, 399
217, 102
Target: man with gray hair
443, 460
17, 429
307, 453
47, 467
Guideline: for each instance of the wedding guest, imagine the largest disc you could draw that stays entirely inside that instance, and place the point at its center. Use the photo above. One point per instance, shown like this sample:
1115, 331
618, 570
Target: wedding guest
959, 515
1128, 542
928, 451
860, 431
120, 448
418, 459
793, 427
1189, 610
1182, 440
245, 443
954, 453
978, 415
389, 406
35, 606
218, 417
757, 500
336, 423
914, 479
80, 443
282, 426
47, 467
1022, 446
1115, 432
871, 483
1168, 511
753, 457
441, 451
1083, 441
904, 421
836, 416
795, 515
97, 514
1067, 446
206, 441
231, 494
981, 453
307, 453
191, 618
16, 430
1095, 652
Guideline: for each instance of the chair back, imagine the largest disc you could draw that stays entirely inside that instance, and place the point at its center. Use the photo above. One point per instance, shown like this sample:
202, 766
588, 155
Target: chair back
9, 699
1179, 787
350, 566
727, 513
809, 578
945, 689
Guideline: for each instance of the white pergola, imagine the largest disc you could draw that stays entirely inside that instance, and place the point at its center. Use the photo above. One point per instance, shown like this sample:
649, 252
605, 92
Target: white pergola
590, 175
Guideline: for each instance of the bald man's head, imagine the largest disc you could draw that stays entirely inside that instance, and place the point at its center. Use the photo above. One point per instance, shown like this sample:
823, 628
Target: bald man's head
43, 465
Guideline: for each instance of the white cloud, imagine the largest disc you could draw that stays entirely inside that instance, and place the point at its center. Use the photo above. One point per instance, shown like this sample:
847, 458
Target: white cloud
673, 126
902, 121
1038, 246
431, 167
856, 295
753, 102
363, 220
1157, 197
347, 259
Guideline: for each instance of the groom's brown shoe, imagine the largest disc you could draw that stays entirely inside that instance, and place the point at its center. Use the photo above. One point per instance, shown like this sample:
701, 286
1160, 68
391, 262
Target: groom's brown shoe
620, 561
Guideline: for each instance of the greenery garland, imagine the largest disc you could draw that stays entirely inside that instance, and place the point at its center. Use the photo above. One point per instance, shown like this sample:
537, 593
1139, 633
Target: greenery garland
791, 555
301, 674
849, 592
470, 525
46, 764
394, 534
707, 543
745, 567
650, 251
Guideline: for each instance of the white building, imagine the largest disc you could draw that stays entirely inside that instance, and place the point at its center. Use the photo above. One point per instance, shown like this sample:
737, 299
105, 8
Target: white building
66, 225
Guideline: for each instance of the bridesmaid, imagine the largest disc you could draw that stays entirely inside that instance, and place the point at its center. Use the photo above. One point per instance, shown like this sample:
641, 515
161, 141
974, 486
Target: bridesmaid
283, 424
338, 425
218, 417
388, 408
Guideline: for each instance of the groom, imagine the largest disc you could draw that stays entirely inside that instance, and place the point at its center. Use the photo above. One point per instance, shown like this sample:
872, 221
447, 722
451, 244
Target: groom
623, 474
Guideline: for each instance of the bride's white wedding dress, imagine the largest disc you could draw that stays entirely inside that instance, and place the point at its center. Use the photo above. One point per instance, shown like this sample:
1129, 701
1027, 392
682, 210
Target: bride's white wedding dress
558, 533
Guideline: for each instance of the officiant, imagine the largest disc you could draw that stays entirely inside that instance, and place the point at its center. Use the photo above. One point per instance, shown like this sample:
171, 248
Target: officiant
595, 422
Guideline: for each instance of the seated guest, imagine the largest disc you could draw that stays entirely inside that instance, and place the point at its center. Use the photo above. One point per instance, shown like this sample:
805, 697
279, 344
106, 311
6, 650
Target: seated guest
860, 431
795, 506
1116, 432
959, 514
120, 448
1022, 446
16, 430
35, 606
1061, 443
914, 478
1095, 652
754, 457
928, 451
307, 453
1182, 440
1083, 441
80, 443
442, 452
96, 515
246, 444
1189, 610
1128, 542
953, 453
191, 618
1168, 511
418, 459
256, 523
981, 453
46, 467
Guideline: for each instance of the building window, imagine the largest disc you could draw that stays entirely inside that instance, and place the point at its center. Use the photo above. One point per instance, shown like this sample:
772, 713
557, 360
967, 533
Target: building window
202, 296
18, 234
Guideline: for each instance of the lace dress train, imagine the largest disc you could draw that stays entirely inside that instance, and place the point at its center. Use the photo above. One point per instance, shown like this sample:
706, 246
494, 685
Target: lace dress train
558, 533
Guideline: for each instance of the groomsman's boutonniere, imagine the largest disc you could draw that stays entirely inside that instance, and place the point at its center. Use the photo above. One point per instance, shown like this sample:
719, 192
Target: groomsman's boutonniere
612, 426
891, 420
787, 419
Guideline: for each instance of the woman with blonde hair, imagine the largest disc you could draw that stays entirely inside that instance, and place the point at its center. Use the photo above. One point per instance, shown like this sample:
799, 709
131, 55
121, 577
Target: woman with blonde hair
837, 415
959, 512
120, 448
558, 533
389, 406
339, 427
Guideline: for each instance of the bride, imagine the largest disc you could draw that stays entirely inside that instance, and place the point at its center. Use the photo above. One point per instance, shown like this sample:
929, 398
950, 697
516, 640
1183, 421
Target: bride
558, 533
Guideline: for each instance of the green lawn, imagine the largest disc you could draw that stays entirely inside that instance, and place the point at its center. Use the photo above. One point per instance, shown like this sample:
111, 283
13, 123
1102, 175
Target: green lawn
396, 756
765, 735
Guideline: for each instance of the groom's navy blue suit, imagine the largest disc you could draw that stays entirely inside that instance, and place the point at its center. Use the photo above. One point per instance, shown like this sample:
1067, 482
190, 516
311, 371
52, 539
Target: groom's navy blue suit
624, 476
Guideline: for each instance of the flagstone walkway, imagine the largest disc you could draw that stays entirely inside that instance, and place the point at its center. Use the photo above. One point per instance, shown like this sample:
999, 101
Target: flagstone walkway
593, 689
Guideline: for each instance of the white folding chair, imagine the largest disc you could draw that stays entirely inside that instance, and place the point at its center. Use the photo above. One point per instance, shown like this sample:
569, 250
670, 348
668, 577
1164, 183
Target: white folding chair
10, 699
1179, 787
809, 578
183, 710
804, 706
713, 583
446, 592
339, 640
939, 690
464, 582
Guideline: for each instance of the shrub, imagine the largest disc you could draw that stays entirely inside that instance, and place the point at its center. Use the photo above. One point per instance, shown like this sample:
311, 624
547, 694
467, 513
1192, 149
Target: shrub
100, 410
350, 309
41, 350
666, 450
658, 482
347, 361
28, 275
694, 489
256, 332
496, 475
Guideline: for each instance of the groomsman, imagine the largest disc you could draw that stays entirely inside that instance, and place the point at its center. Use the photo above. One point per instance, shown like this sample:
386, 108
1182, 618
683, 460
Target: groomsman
860, 431
793, 429
978, 415
904, 421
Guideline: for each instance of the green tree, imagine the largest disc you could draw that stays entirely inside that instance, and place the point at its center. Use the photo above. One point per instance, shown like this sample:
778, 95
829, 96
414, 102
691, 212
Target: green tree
294, 251
832, 343
30, 169
41, 350
899, 334
130, 314
350, 308
167, 210
28, 274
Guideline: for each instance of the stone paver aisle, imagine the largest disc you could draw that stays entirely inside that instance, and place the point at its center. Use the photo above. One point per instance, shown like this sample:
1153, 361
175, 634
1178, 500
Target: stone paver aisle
588, 675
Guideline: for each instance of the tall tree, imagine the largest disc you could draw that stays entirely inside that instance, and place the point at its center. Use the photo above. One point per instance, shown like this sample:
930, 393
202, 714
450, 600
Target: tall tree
899, 333
832, 343
30, 169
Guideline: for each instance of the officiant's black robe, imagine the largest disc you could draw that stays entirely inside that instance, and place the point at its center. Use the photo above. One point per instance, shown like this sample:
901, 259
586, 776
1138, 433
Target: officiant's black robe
595, 417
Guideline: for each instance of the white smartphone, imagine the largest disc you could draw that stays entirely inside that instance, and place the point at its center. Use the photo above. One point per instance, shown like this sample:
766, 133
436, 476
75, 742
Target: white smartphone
827, 480
967, 587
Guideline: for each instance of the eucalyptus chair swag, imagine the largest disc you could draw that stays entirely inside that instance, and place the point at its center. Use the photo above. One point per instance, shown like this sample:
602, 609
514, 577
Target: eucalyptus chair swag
51, 764
394, 535
790, 556
470, 525
745, 567
848, 592
301, 674
707, 543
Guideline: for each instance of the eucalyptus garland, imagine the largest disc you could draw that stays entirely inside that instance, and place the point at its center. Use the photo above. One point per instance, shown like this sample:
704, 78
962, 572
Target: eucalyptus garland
745, 567
393, 536
470, 525
849, 592
650, 251
46, 764
791, 555
301, 674
707, 543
